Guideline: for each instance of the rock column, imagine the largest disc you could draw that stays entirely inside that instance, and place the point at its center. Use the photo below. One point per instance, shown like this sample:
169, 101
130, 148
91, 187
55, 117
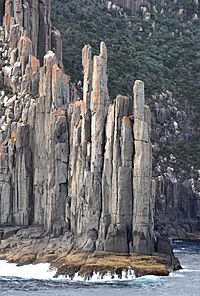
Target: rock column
143, 209
117, 199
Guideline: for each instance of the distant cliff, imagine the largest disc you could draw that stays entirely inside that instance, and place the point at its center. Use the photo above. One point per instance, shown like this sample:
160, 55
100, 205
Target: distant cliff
66, 163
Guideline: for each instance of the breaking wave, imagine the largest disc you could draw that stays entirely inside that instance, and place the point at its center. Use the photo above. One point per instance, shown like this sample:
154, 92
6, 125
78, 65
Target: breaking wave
43, 271
38, 271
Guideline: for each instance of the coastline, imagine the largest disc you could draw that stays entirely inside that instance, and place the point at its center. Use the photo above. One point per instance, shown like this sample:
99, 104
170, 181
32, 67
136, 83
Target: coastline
31, 246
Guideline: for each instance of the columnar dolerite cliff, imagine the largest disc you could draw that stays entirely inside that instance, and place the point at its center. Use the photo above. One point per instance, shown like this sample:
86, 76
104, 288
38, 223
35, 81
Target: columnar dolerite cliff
177, 182
175, 115
71, 164
143, 185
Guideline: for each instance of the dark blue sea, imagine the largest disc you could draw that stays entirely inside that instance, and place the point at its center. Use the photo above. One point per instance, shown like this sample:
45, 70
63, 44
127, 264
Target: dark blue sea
38, 280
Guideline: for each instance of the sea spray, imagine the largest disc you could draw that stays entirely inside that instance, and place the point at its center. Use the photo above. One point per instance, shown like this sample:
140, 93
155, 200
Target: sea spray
43, 271
40, 271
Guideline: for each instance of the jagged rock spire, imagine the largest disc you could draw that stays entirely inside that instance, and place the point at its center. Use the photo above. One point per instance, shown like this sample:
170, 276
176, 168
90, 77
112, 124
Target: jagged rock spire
87, 74
33, 19
69, 164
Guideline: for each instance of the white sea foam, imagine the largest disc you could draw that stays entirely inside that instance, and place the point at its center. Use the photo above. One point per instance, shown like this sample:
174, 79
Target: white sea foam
178, 241
188, 270
37, 271
176, 274
150, 277
44, 272
108, 277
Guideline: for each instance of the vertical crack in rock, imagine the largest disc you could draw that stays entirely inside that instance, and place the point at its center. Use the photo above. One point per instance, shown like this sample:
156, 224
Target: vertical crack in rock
117, 178
66, 163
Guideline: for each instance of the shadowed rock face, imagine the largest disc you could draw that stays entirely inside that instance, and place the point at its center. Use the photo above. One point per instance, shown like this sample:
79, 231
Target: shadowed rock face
2, 10
177, 209
66, 163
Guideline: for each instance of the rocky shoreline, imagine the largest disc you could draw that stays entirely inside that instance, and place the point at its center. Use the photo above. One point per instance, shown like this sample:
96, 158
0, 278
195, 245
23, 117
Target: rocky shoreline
73, 161
32, 246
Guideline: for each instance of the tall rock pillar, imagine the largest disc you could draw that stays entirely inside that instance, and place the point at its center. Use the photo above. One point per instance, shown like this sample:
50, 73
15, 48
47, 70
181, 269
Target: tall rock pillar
142, 176
44, 37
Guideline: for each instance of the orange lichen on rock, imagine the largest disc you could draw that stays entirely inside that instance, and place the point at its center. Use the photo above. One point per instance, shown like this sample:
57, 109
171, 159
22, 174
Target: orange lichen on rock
87, 264
77, 103
35, 64
14, 137
55, 72
127, 120
83, 107
7, 14
96, 100
80, 104
7, 18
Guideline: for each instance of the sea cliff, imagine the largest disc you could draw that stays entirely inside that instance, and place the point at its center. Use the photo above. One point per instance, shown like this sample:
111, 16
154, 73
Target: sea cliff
75, 166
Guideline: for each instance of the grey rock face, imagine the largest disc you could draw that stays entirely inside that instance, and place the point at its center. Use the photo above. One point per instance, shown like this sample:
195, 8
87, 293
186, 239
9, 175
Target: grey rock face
143, 213
177, 181
177, 208
67, 164
117, 191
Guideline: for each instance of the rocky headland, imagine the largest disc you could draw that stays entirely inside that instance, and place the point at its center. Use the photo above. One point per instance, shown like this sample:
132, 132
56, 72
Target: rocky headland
32, 245
76, 186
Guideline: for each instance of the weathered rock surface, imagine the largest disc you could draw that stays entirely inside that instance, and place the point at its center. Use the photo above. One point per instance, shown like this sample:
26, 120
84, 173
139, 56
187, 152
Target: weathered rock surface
78, 168
30, 245
143, 185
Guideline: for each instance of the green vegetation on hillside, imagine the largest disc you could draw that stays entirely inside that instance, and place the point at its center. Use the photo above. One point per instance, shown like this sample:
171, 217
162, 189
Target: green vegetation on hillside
166, 57
164, 52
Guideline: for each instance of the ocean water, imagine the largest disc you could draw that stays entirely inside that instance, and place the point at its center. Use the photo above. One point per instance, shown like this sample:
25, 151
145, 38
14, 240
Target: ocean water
35, 280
